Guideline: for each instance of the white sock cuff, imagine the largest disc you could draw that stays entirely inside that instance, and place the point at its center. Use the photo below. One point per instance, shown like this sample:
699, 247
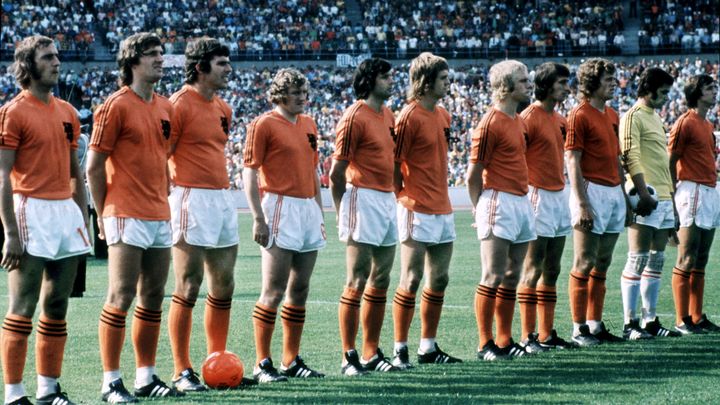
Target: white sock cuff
427, 345
144, 376
108, 377
14, 392
635, 264
45, 386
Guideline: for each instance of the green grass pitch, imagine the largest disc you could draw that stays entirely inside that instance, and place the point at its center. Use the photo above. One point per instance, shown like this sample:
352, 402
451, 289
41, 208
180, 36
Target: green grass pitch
666, 370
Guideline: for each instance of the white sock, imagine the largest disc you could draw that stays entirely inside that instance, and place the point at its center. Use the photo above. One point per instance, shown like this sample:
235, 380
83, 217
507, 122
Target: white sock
108, 377
427, 345
576, 328
630, 283
45, 386
14, 392
399, 345
144, 376
650, 284
594, 326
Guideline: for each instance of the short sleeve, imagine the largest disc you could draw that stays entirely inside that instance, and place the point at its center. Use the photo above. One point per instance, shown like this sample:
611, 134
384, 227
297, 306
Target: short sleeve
256, 144
107, 128
10, 129
576, 129
483, 142
347, 132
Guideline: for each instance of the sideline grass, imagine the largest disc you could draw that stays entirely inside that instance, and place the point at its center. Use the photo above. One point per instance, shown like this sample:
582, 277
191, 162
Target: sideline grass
683, 370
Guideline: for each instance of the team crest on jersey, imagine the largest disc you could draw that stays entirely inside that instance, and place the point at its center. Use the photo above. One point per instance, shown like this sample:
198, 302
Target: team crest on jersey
68, 128
224, 125
165, 128
312, 140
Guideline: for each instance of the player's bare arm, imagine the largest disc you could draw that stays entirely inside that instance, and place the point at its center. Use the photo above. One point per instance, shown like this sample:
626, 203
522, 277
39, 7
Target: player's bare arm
337, 181
574, 157
252, 191
97, 177
12, 249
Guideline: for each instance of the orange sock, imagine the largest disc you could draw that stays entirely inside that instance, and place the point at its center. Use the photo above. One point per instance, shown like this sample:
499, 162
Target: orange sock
504, 310
528, 299
50, 346
547, 299
145, 335
697, 287
217, 323
596, 295
484, 310
681, 294
372, 313
111, 333
403, 311
264, 325
578, 292
293, 320
13, 346
431, 304
349, 317
179, 329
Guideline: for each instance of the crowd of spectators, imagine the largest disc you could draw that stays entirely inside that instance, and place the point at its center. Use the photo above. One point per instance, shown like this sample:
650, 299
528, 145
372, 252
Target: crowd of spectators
319, 29
255, 29
687, 26
490, 28
302, 29
331, 93
70, 23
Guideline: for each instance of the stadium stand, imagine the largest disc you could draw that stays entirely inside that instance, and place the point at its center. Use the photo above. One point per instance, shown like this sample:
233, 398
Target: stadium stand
69, 23
682, 26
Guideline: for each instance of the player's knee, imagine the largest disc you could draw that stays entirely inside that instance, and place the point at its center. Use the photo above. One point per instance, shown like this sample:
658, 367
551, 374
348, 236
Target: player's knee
492, 279
410, 281
223, 291
701, 261
23, 306
380, 280
298, 293
531, 275
585, 263
511, 280
357, 282
55, 307
438, 282
188, 291
121, 297
550, 275
603, 263
271, 298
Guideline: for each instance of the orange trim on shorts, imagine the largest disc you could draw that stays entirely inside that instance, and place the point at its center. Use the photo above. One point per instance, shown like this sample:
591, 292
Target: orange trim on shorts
184, 212
276, 215
82, 235
22, 218
493, 208
352, 222
535, 198
410, 218
696, 197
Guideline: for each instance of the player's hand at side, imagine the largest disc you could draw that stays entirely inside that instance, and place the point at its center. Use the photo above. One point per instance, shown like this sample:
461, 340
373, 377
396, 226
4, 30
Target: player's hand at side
261, 233
586, 218
646, 205
12, 253
101, 228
